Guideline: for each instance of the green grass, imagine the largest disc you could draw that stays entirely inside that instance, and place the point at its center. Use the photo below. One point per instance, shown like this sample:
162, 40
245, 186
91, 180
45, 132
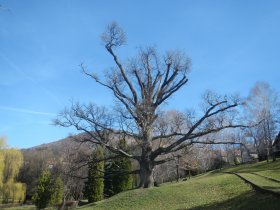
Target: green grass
260, 174
262, 182
24, 207
211, 191
273, 174
256, 167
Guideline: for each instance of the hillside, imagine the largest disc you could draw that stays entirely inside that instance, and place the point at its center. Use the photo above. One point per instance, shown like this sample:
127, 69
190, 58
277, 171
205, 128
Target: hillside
59, 145
214, 190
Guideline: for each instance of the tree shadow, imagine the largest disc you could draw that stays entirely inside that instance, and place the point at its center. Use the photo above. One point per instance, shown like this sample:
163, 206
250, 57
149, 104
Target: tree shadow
254, 201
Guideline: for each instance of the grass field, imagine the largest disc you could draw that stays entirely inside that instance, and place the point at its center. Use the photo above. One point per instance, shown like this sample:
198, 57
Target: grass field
214, 190
264, 175
256, 167
273, 174
26, 207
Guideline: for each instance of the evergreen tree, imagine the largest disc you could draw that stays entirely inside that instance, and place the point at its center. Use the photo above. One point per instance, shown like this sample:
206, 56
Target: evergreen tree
117, 174
44, 190
57, 191
94, 187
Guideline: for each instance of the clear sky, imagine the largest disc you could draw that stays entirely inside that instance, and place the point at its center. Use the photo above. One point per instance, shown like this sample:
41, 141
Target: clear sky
232, 45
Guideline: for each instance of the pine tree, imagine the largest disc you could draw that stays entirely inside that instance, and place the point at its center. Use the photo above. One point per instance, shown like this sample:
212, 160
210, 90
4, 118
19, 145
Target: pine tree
117, 174
94, 187
57, 191
108, 180
44, 191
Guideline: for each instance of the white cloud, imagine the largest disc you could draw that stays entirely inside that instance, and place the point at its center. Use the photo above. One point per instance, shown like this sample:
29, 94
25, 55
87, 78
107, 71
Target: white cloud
27, 111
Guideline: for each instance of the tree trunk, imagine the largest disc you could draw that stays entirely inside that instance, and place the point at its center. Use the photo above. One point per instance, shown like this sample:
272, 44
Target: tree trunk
177, 173
146, 175
146, 163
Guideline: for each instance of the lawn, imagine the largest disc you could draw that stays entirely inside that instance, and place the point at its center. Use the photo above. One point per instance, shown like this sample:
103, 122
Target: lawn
273, 174
212, 191
26, 207
265, 175
256, 167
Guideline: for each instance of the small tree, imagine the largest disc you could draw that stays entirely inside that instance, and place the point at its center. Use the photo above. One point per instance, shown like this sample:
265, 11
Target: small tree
44, 191
57, 191
95, 185
117, 176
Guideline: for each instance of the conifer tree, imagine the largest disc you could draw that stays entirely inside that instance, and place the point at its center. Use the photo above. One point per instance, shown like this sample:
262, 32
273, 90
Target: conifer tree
44, 190
117, 177
57, 191
94, 187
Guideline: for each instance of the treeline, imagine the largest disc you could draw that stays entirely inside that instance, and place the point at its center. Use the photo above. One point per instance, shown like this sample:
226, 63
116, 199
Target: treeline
46, 178
107, 178
104, 179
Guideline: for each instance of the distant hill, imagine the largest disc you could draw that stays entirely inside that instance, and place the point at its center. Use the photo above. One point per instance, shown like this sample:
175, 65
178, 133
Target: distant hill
62, 144
59, 156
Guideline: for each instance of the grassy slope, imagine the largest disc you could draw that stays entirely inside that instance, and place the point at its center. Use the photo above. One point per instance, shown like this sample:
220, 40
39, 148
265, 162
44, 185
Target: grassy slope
211, 191
273, 174
262, 182
256, 167
263, 174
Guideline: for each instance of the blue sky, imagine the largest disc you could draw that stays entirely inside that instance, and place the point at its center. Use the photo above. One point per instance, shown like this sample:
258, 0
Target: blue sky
232, 45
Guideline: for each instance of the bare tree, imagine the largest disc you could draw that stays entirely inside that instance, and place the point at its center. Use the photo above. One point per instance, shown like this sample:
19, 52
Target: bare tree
262, 105
140, 87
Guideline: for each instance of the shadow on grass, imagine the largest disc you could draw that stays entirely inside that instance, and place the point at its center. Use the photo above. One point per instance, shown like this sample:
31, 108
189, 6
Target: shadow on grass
254, 201
272, 188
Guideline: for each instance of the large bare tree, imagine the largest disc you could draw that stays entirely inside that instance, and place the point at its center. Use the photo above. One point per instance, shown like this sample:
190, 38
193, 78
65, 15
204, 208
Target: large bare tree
140, 87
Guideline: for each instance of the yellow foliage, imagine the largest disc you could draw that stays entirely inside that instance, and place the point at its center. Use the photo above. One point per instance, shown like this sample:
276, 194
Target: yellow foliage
1, 169
11, 161
13, 192
2, 146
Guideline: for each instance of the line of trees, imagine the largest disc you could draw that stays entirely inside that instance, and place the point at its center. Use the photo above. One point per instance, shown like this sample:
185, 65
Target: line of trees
108, 180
